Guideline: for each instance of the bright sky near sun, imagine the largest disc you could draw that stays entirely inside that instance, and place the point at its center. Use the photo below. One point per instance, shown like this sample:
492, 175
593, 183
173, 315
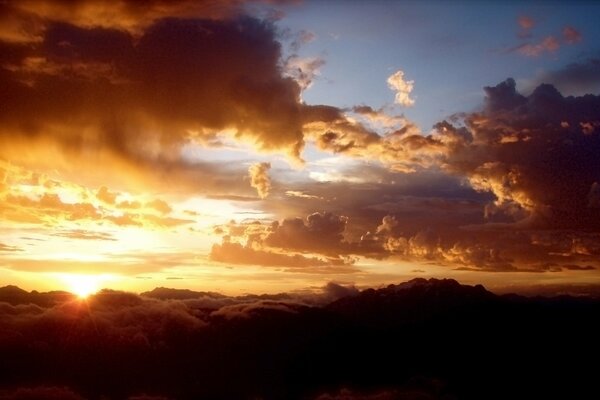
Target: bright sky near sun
259, 147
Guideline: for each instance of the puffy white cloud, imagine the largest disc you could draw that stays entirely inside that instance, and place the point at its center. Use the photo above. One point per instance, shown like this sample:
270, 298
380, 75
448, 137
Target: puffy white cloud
402, 87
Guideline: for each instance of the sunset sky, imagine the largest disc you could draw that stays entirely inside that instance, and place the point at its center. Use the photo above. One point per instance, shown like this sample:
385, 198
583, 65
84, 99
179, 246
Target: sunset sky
269, 146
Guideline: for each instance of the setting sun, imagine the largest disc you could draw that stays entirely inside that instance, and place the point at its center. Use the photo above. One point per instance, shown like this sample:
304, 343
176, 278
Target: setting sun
83, 285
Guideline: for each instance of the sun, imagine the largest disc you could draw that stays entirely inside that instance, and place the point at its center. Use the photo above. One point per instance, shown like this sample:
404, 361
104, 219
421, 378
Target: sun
82, 285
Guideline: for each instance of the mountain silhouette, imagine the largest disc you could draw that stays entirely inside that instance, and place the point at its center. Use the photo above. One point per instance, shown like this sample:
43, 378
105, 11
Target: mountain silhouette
426, 339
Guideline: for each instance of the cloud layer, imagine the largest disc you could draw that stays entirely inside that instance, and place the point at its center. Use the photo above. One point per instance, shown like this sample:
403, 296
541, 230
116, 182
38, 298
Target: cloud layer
121, 345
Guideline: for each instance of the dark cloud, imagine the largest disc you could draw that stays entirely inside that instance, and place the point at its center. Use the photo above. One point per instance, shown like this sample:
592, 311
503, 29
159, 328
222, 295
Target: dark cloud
578, 78
29, 19
334, 291
142, 98
319, 232
426, 231
534, 153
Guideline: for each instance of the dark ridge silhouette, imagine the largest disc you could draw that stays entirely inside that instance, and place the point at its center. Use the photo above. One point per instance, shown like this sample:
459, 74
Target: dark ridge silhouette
14, 295
412, 301
425, 339
163, 293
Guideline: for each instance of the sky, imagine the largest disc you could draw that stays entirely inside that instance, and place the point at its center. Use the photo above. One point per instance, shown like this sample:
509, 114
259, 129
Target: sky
249, 146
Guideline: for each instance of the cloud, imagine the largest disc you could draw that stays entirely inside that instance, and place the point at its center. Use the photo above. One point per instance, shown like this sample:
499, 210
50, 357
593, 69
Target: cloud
31, 18
159, 205
403, 88
577, 78
526, 22
112, 84
34, 198
128, 340
106, 196
302, 38
517, 142
259, 178
335, 291
304, 70
247, 311
96, 73
571, 35
547, 45
8, 248
85, 235
122, 318
319, 232
236, 253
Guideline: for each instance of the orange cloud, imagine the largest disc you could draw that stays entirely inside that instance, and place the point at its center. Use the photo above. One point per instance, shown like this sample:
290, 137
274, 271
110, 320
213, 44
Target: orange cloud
35, 198
548, 45
526, 22
236, 253
259, 178
571, 35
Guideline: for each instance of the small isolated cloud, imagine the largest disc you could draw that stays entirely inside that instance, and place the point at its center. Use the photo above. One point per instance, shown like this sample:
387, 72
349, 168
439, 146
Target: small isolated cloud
526, 22
571, 35
259, 178
403, 88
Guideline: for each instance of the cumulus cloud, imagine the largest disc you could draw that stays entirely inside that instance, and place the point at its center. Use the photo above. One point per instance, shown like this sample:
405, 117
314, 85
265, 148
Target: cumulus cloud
259, 178
516, 144
440, 232
402, 87
319, 232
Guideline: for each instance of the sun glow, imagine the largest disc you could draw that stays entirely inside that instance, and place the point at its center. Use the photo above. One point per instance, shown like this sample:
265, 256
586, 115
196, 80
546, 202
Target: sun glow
84, 285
